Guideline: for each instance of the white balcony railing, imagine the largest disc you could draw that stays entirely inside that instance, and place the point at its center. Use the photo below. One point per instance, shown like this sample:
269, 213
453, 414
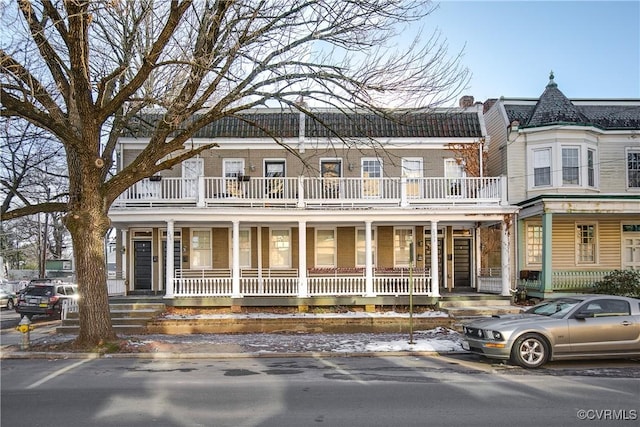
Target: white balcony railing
313, 191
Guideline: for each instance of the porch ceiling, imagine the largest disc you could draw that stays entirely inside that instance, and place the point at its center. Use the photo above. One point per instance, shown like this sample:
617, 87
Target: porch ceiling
159, 217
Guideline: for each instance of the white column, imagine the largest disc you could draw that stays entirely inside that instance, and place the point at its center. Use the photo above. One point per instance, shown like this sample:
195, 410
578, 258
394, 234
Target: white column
303, 290
368, 260
168, 279
435, 268
235, 260
125, 257
504, 255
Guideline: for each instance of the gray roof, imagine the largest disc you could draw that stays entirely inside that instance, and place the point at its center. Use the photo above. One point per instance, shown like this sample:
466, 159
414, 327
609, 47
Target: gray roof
261, 124
553, 107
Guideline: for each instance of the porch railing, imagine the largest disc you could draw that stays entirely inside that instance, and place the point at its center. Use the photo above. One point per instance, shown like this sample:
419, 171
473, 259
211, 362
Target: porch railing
490, 281
567, 281
312, 191
286, 282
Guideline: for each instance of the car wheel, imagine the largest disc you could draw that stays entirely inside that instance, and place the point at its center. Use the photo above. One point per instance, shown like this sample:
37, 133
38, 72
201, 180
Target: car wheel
530, 351
10, 304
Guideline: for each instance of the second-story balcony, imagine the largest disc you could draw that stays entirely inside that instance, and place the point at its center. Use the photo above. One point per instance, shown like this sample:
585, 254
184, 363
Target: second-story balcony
313, 192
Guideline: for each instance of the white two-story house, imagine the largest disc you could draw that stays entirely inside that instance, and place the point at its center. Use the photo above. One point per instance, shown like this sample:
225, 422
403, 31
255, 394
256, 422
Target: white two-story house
573, 167
302, 207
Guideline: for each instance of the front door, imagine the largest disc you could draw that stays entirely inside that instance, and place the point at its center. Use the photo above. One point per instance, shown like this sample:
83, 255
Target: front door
630, 250
461, 262
142, 265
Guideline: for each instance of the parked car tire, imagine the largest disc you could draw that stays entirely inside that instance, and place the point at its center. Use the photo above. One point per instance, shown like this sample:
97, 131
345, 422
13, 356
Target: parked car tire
10, 304
530, 351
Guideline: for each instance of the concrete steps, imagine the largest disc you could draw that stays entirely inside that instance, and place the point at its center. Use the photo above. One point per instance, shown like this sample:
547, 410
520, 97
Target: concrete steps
126, 317
464, 309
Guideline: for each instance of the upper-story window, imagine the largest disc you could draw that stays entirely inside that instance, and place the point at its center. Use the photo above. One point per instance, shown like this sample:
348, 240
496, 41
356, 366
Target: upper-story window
633, 169
591, 168
558, 165
570, 166
233, 167
542, 167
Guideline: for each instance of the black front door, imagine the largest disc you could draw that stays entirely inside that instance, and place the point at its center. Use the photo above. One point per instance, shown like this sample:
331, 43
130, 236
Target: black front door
461, 263
142, 264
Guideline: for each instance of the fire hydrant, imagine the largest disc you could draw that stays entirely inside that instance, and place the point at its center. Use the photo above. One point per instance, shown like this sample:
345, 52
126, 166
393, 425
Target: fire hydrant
25, 327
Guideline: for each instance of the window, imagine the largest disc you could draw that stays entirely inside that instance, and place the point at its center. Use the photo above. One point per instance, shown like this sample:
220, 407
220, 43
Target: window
361, 246
233, 168
571, 166
200, 248
585, 243
245, 248
534, 244
454, 171
605, 308
402, 237
325, 248
412, 170
542, 167
371, 172
591, 168
280, 249
633, 169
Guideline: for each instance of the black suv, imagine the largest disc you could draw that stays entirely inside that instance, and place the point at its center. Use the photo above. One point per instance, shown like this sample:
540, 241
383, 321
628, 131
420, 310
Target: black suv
45, 299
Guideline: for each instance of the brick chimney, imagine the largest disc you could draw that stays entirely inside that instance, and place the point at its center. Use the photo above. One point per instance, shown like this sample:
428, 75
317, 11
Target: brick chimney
466, 101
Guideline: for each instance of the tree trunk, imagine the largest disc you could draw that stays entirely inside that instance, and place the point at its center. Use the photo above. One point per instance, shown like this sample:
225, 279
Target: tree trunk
88, 225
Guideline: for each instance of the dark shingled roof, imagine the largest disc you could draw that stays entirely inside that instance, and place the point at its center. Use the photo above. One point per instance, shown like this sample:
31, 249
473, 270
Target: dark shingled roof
555, 108
258, 124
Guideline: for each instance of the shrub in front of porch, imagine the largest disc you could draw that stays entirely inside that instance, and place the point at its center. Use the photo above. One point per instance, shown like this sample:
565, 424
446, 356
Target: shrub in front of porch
620, 282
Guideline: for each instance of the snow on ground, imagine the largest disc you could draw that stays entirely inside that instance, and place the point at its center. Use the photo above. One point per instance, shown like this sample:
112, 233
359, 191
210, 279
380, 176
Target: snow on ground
349, 314
438, 339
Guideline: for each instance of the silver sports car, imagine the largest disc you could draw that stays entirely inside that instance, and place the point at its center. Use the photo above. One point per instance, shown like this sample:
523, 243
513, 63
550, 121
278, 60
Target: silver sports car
581, 326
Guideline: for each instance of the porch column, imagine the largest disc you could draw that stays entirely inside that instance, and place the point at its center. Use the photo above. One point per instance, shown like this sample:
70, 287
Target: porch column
303, 290
435, 268
125, 259
235, 260
168, 274
368, 260
504, 256
547, 255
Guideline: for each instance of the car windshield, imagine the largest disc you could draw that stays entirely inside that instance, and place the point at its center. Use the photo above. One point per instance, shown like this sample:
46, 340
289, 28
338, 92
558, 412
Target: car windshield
554, 308
39, 291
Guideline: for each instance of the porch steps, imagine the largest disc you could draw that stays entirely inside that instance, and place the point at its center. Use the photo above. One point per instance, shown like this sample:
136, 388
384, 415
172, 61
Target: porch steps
466, 308
126, 317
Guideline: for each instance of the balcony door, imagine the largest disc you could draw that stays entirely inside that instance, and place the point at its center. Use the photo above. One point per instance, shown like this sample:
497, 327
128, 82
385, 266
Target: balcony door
330, 171
274, 187
192, 169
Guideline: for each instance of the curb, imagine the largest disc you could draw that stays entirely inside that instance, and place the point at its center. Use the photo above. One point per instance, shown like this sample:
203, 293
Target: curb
258, 355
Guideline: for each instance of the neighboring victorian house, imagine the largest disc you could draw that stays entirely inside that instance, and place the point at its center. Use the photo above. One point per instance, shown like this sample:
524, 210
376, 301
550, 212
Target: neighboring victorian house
381, 212
573, 167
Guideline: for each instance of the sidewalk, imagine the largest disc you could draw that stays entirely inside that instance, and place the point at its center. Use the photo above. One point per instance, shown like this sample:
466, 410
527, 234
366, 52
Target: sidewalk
158, 346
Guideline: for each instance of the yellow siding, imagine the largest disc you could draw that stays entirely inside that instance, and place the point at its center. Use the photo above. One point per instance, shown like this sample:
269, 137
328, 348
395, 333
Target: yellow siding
346, 251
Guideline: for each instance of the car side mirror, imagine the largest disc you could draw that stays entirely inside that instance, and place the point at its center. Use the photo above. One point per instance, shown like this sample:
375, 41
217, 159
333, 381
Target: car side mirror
582, 315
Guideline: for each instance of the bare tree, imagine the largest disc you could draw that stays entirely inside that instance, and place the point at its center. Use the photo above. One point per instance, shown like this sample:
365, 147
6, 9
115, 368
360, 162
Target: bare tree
85, 69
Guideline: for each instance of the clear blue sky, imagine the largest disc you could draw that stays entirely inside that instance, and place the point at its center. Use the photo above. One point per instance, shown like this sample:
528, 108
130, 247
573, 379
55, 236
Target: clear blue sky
593, 47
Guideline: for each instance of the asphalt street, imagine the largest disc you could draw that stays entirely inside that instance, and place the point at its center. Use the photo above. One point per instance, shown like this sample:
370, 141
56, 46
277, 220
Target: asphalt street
303, 391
